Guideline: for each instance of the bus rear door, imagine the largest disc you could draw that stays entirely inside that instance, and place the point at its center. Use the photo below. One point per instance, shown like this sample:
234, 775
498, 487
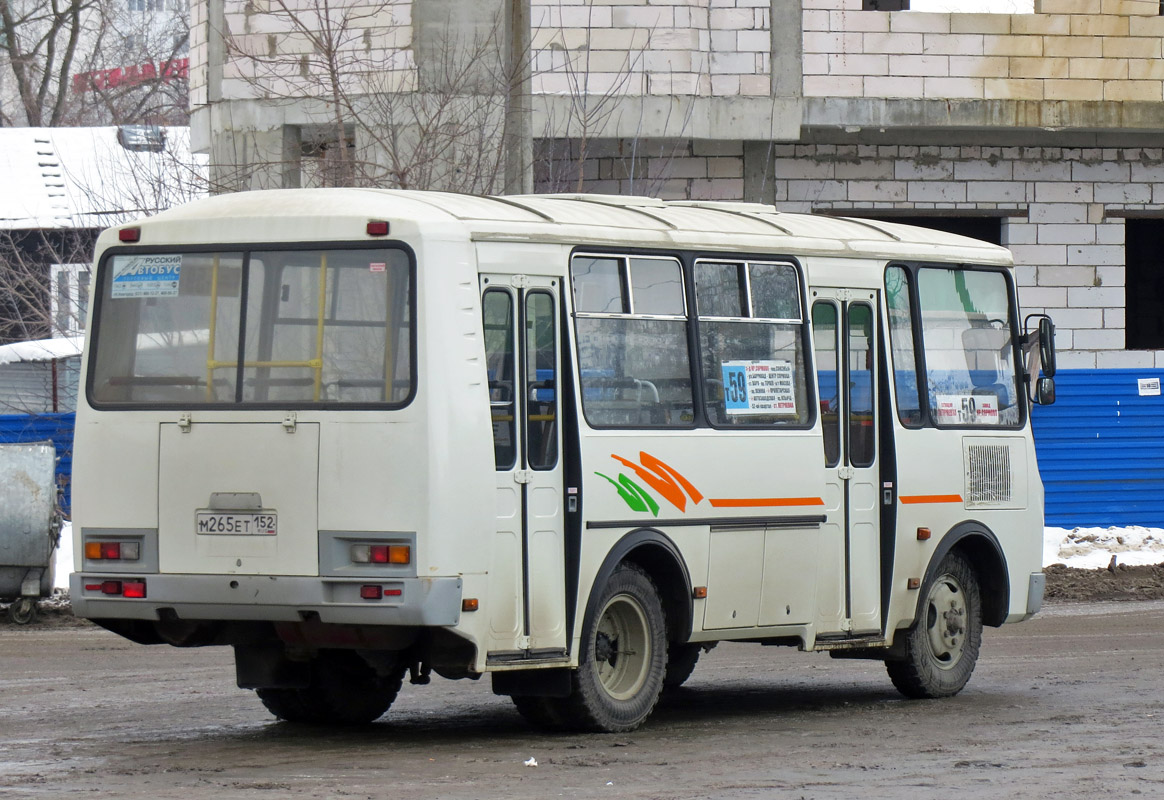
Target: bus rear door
522, 343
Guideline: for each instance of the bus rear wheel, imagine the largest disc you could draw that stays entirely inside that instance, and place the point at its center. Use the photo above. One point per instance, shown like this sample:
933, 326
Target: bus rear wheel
941, 648
541, 712
622, 659
344, 690
681, 660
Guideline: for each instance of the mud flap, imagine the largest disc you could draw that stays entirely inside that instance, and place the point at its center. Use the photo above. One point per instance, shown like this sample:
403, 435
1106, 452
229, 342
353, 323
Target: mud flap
267, 667
533, 682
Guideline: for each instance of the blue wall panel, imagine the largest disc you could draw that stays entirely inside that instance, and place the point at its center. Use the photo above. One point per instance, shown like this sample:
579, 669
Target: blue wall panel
1101, 449
41, 428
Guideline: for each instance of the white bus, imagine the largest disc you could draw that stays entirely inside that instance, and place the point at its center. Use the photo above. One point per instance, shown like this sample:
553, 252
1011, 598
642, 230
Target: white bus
570, 441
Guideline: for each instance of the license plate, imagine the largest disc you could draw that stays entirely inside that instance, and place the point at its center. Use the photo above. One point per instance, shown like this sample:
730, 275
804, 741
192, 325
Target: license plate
237, 523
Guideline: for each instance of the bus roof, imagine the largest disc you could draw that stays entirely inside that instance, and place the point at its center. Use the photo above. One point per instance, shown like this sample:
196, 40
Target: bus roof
584, 219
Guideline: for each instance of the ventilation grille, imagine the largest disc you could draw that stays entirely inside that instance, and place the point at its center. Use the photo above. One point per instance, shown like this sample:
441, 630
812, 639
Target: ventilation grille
989, 480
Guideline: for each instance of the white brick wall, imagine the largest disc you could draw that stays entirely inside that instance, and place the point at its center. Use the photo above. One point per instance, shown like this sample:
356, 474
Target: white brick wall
1068, 250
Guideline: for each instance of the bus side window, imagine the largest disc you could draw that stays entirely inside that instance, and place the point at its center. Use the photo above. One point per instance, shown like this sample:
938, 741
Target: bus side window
824, 337
497, 313
631, 328
751, 341
541, 372
859, 341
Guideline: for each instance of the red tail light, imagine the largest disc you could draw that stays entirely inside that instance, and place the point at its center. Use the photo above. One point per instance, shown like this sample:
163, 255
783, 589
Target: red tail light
131, 589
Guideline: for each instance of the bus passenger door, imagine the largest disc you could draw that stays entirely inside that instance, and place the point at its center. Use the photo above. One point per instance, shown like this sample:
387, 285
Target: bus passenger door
527, 611
845, 345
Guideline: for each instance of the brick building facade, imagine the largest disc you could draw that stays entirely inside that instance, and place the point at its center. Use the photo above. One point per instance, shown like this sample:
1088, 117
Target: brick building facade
1041, 131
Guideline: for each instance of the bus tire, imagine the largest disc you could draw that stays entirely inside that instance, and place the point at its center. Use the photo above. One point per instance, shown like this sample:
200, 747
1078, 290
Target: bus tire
941, 648
681, 660
622, 659
541, 712
344, 690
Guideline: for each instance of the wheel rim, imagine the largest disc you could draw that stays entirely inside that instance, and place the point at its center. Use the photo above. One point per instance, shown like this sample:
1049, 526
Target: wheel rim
23, 610
622, 647
946, 621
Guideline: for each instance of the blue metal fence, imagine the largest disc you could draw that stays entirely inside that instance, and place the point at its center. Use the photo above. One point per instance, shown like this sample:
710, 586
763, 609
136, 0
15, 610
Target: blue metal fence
41, 428
1101, 449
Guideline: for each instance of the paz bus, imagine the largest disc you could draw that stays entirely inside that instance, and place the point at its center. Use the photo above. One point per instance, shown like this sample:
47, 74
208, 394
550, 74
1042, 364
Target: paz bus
571, 441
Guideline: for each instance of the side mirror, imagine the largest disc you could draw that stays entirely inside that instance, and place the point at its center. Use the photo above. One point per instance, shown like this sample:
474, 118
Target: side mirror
1041, 359
1044, 391
1047, 349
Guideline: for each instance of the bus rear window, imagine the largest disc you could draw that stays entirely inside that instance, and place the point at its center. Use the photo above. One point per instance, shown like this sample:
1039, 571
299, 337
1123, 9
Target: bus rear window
280, 327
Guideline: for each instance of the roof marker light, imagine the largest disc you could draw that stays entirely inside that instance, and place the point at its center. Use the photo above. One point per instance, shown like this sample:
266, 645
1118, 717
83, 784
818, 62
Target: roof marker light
129, 234
377, 227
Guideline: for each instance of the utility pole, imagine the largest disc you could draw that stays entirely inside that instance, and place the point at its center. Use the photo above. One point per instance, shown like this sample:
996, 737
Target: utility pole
518, 111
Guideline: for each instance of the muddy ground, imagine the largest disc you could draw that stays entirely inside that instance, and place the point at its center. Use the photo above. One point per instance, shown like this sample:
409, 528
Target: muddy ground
1118, 582
1067, 706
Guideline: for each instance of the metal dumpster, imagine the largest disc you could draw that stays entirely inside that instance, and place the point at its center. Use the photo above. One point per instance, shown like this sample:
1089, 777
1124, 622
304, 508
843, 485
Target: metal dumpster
30, 526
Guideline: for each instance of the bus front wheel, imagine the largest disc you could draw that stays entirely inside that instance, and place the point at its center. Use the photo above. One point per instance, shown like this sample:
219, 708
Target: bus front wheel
941, 648
623, 657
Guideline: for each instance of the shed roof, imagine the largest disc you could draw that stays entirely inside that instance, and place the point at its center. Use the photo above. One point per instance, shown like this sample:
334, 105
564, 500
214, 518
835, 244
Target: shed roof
84, 178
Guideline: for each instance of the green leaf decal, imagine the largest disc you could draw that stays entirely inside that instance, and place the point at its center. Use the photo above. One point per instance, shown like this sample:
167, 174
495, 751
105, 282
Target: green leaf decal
632, 494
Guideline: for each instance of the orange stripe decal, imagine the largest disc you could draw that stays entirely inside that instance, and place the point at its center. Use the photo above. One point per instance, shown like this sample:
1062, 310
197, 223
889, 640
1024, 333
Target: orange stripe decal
764, 502
931, 498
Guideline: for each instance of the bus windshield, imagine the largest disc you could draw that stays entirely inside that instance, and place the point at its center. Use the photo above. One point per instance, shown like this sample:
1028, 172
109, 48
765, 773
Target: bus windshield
969, 348
286, 327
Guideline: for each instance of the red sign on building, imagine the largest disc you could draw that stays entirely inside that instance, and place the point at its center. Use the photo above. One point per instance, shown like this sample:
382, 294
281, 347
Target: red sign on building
133, 75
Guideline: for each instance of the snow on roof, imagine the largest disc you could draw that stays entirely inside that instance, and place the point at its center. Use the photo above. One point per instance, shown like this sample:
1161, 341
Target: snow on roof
42, 349
84, 178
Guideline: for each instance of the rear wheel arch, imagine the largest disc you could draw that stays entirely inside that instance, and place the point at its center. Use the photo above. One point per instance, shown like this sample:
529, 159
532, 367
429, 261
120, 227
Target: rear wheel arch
976, 543
655, 554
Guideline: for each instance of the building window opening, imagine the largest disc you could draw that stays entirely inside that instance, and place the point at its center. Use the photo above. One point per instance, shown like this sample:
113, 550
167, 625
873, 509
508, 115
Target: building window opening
1144, 290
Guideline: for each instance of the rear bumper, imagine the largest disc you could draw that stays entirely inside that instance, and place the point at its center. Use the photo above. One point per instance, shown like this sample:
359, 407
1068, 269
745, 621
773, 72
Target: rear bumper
421, 601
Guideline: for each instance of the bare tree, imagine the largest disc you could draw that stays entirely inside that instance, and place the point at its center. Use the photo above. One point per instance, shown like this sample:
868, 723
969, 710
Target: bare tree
41, 44
26, 259
369, 114
111, 185
639, 164
90, 62
137, 72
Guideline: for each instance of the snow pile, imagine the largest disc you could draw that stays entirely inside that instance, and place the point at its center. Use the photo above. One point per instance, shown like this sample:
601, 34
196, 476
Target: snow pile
1092, 548
41, 350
